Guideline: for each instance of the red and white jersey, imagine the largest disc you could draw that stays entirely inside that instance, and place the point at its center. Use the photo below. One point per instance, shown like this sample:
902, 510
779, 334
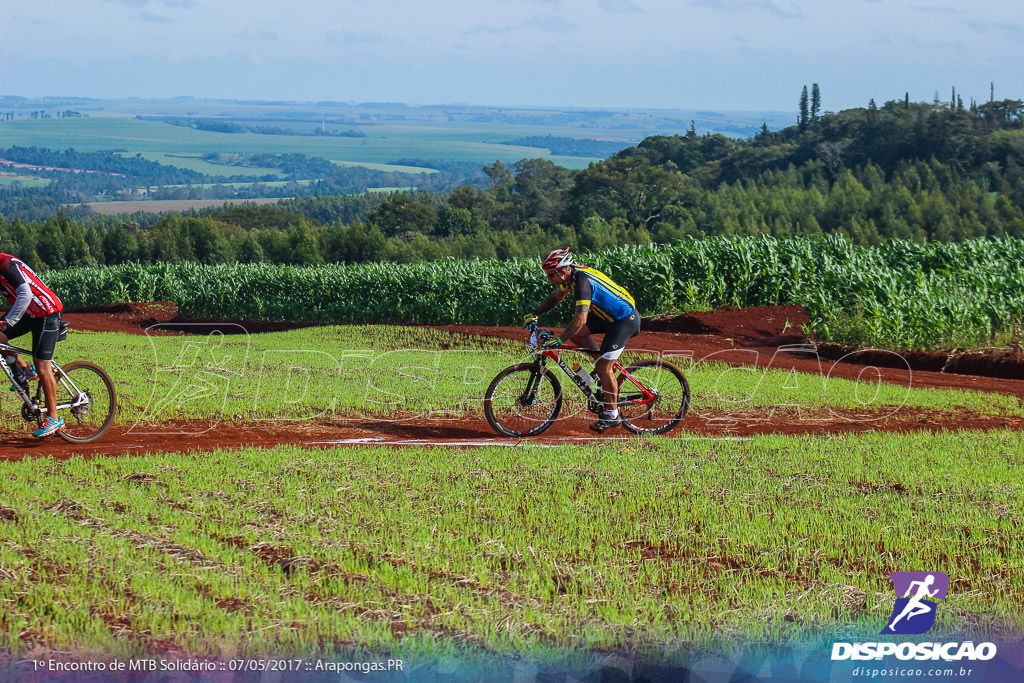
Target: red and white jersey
13, 273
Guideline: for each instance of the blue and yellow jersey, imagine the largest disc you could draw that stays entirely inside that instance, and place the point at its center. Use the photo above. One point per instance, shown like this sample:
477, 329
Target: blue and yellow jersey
606, 299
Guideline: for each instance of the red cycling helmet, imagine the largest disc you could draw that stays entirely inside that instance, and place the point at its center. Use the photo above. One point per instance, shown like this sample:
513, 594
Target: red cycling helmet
559, 258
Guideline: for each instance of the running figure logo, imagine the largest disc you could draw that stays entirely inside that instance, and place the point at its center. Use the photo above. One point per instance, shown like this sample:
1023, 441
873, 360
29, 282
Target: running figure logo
917, 594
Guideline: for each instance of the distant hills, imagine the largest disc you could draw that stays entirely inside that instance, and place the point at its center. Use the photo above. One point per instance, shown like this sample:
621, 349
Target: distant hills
938, 171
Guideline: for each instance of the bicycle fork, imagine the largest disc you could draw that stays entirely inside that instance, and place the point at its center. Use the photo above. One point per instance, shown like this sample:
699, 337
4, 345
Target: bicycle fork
529, 395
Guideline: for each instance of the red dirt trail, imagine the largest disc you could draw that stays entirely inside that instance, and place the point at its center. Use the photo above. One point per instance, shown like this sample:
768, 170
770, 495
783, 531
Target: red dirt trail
760, 337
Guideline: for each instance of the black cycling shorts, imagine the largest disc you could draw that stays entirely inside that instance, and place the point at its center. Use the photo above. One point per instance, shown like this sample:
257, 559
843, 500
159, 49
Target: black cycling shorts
616, 334
44, 334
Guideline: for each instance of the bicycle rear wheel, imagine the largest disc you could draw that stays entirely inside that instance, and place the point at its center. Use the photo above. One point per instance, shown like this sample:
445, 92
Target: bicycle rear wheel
658, 414
523, 400
85, 399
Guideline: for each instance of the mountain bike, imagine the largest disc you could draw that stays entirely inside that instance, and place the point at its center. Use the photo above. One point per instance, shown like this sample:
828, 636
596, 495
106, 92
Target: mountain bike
525, 399
85, 395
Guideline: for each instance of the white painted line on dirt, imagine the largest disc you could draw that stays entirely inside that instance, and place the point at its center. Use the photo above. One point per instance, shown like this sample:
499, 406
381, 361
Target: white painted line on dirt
381, 441
362, 440
420, 441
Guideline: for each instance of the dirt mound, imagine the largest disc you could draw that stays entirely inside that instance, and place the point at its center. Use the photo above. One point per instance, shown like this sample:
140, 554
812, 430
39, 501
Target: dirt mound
759, 323
776, 326
162, 317
197, 326
1002, 363
130, 318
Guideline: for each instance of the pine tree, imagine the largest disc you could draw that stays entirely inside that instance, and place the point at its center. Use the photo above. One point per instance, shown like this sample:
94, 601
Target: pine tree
815, 101
872, 114
805, 116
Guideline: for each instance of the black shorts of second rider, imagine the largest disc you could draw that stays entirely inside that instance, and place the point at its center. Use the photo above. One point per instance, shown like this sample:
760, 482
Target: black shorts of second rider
616, 333
44, 334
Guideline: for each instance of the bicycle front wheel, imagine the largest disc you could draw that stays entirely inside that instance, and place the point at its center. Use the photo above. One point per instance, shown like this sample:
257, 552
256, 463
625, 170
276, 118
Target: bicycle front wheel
85, 399
661, 409
523, 400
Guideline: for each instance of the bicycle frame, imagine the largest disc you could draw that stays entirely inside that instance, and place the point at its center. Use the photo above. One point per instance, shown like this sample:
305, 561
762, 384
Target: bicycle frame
58, 372
645, 397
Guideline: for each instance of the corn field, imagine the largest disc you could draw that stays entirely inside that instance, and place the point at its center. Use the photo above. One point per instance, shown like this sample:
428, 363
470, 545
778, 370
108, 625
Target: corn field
901, 295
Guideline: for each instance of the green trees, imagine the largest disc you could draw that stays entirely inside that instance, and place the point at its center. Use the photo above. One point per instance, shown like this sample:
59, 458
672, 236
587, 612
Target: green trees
804, 116
896, 171
631, 188
628, 200
540, 191
404, 214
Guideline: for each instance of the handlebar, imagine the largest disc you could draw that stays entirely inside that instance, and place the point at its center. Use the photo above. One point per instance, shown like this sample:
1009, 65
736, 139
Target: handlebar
539, 337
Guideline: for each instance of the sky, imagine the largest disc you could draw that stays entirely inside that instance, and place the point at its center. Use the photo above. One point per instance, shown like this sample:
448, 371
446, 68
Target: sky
680, 54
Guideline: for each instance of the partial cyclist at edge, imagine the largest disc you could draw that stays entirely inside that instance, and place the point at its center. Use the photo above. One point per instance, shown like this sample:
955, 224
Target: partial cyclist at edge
602, 306
33, 308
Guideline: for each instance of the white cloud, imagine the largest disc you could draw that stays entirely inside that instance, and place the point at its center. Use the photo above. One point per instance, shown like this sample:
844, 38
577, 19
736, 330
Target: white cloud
354, 37
489, 30
153, 18
265, 36
551, 23
619, 6
608, 52
184, 4
1008, 29
791, 10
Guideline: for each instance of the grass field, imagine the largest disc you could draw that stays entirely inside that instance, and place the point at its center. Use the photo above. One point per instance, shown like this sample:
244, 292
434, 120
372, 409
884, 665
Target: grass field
650, 546
653, 546
195, 162
24, 181
393, 168
159, 205
383, 144
348, 372
268, 183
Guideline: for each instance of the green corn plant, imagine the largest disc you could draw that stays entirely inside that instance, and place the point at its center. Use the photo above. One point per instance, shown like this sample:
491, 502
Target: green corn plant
900, 295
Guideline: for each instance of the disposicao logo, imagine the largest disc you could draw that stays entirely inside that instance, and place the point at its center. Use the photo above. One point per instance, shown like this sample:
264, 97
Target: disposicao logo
917, 597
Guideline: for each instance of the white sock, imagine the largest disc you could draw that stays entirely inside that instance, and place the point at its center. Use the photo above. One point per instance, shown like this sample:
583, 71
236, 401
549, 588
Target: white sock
612, 414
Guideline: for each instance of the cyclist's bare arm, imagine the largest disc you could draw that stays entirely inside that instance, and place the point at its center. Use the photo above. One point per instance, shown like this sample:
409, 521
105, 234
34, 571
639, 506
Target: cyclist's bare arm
577, 324
551, 301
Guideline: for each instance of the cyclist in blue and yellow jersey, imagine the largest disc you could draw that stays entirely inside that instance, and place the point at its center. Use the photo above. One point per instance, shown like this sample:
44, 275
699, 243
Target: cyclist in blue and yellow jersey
601, 307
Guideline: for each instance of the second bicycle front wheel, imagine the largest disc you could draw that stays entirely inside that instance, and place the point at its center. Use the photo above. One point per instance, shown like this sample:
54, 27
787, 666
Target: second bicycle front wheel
663, 407
523, 400
85, 399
